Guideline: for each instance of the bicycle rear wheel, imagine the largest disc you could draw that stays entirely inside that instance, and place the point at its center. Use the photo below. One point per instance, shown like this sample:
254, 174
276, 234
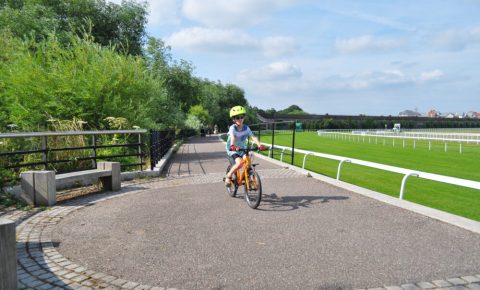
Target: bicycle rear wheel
253, 195
232, 190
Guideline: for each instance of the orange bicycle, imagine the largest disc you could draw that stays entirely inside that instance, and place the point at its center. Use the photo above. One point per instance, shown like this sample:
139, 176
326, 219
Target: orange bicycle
249, 178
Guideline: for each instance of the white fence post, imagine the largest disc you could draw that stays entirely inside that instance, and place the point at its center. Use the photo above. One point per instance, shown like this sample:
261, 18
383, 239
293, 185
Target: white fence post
404, 180
340, 166
305, 159
281, 155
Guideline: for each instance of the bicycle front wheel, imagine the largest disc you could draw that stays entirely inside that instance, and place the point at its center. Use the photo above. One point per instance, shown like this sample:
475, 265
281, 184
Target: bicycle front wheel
253, 191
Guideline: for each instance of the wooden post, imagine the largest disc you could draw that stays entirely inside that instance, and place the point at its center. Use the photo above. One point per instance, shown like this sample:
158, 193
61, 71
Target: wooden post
8, 255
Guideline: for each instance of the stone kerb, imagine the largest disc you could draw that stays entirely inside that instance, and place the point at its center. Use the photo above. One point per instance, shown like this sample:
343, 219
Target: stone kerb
41, 266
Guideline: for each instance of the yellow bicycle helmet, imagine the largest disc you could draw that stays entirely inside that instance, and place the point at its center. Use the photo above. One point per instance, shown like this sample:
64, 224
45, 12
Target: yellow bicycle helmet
237, 110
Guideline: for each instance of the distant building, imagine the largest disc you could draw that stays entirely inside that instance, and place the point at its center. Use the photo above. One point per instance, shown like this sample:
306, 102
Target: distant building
472, 114
409, 113
449, 115
432, 113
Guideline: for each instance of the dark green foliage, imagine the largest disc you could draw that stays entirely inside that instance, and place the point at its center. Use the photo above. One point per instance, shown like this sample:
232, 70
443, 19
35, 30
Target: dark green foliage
83, 80
122, 26
84, 59
293, 110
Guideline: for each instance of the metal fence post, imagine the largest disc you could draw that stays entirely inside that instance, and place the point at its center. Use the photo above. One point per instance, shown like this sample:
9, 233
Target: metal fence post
140, 151
45, 151
8, 255
293, 140
94, 144
281, 155
340, 166
305, 159
273, 138
404, 180
152, 150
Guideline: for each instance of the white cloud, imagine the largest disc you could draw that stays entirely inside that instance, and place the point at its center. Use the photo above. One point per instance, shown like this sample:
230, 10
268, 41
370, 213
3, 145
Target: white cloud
366, 43
198, 39
431, 75
276, 71
229, 41
366, 80
233, 13
278, 46
284, 78
457, 39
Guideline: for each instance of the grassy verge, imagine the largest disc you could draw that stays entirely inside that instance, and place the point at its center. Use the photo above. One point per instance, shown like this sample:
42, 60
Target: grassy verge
450, 198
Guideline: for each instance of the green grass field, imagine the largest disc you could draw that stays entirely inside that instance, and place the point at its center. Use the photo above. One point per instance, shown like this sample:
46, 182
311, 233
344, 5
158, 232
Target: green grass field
454, 199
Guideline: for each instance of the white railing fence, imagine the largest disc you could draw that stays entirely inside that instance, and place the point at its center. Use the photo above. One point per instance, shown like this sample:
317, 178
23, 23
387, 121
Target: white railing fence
466, 137
406, 172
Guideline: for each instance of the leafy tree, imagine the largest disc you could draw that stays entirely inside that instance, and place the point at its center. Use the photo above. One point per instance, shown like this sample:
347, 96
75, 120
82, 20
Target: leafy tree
192, 122
201, 114
111, 24
83, 80
293, 110
35, 21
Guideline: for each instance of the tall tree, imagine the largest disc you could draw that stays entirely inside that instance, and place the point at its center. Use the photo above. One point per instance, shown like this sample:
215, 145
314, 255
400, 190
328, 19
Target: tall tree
110, 24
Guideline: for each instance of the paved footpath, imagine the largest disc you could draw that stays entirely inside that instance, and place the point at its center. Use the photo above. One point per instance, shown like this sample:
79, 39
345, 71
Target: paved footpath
183, 231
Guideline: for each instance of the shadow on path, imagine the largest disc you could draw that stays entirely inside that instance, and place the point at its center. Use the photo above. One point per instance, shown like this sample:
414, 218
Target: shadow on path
273, 202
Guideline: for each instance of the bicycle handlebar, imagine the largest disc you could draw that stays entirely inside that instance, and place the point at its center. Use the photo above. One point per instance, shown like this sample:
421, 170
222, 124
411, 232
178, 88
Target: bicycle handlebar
249, 149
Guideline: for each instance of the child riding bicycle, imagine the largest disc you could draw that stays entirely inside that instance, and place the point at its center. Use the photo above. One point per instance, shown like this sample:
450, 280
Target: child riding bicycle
238, 135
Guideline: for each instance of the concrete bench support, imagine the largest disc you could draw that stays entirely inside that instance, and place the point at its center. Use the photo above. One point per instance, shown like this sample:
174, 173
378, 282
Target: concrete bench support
114, 181
40, 187
8, 255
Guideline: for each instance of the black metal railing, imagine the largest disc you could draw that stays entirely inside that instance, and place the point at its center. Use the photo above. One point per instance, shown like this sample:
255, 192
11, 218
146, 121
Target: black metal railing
80, 150
46, 150
270, 130
160, 142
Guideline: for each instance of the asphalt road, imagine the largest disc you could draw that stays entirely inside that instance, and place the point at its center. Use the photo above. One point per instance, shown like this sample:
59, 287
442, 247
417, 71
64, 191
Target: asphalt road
306, 235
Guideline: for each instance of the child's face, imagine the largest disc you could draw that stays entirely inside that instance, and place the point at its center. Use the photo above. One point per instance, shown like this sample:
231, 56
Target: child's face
239, 119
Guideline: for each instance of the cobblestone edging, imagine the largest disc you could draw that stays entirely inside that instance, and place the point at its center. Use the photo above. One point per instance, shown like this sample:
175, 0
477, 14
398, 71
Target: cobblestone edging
41, 266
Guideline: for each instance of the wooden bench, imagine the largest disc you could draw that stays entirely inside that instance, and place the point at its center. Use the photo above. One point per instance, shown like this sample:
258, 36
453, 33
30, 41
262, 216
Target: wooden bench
40, 187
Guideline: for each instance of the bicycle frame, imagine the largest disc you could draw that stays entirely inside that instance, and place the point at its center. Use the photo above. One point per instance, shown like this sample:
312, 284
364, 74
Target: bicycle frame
244, 165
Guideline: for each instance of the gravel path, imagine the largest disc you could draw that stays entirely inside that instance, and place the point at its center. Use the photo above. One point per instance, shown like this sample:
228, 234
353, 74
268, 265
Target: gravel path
188, 233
